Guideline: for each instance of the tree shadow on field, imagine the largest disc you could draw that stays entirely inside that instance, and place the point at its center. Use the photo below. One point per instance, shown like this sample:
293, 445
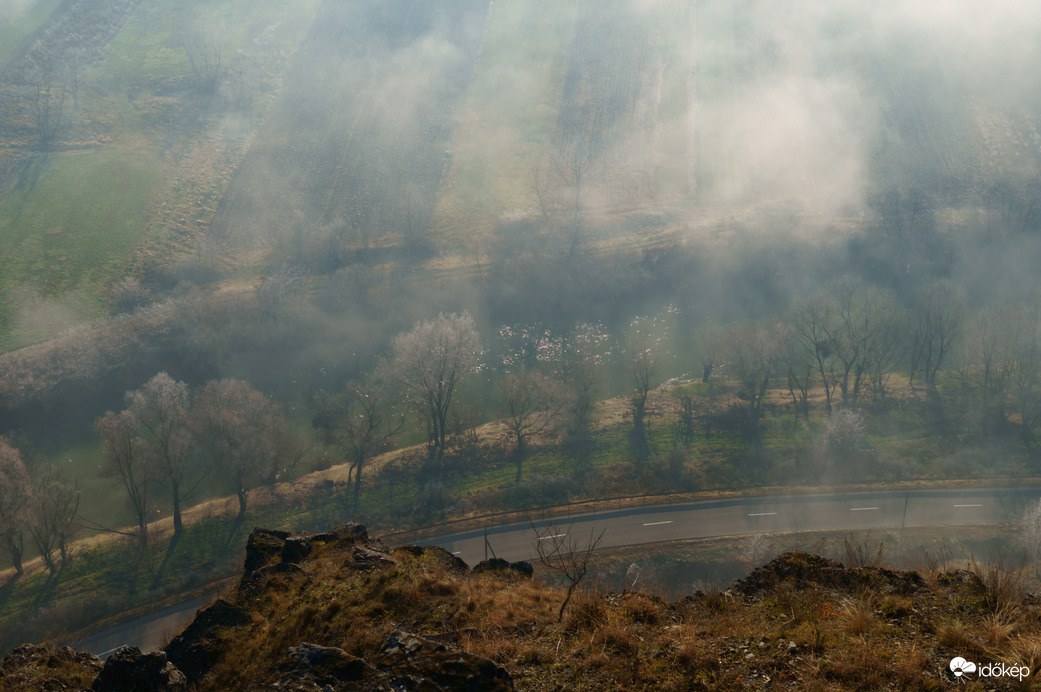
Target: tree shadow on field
7, 588
28, 174
166, 561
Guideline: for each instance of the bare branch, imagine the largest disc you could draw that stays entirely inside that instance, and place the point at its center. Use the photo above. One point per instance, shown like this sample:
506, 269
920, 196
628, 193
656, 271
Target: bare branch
559, 551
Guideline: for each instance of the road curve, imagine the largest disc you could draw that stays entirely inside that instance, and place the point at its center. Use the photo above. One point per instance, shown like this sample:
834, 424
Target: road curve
759, 515
149, 632
641, 525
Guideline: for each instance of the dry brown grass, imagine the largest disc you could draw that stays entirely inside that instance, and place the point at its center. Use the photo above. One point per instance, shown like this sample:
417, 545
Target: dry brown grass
588, 612
802, 636
997, 628
955, 635
640, 608
616, 638
859, 615
1002, 583
912, 665
896, 607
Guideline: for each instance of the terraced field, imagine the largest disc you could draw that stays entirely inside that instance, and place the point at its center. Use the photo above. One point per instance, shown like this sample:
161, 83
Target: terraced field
353, 156
112, 158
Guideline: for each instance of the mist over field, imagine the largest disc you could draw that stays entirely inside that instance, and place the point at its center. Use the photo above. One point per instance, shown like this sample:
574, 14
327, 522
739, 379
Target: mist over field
498, 255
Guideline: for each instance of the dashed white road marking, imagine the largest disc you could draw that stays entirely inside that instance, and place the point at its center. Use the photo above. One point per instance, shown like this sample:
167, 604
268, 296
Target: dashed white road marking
457, 552
546, 538
657, 523
861, 509
763, 514
968, 505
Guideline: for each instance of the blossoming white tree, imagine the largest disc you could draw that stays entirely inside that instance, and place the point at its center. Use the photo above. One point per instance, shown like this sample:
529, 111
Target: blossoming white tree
430, 361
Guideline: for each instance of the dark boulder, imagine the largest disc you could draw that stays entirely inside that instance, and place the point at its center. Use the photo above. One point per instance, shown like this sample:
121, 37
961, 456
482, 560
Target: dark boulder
196, 650
417, 663
34, 667
497, 564
433, 554
129, 670
263, 547
804, 570
368, 559
296, 548
327, 664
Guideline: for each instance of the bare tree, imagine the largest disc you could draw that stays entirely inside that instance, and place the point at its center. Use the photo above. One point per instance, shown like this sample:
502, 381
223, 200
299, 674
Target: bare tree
901, 212
51, 92
242, 431
846, 336
885, 346
993, 354
55, 501
125, 458
206, 54
935, 327
813, 323
15, 492
753, 356
864, 337
709, 349
685, 416
531, 404
559, 551
643, 349
539, 187
583, 354
361, 421
160, 410
798, 371
430, 361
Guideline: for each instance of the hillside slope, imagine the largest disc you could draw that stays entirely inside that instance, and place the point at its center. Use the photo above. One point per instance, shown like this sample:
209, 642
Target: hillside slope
337, 611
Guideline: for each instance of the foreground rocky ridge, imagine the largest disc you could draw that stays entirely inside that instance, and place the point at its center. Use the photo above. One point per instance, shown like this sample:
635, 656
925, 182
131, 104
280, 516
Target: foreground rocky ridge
340, 611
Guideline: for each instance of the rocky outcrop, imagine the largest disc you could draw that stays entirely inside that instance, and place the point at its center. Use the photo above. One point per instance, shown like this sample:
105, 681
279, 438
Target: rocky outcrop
498, 565
263, 547
417, 663
802, 570
434, 554
33, 667
195, 650
129, 670
267, 547
405, 662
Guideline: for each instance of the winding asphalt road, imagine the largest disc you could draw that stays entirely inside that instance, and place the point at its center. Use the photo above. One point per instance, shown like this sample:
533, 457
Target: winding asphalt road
760, 515
642, 525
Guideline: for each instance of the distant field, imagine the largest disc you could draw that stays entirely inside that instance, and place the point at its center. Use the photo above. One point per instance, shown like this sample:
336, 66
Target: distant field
68, 234
141, 159
509, 116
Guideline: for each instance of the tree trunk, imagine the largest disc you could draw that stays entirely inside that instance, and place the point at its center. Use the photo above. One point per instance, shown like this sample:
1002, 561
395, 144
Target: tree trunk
567, 599
142, 536
178, 525
16, 549
519, 453
357, 489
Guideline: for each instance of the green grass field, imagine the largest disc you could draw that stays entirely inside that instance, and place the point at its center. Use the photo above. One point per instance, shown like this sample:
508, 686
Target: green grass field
510, 116
66, 237
70, 221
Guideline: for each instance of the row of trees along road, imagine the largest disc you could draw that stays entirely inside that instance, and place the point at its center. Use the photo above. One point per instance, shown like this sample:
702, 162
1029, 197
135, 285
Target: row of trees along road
846, 340
42, 505
169, 440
